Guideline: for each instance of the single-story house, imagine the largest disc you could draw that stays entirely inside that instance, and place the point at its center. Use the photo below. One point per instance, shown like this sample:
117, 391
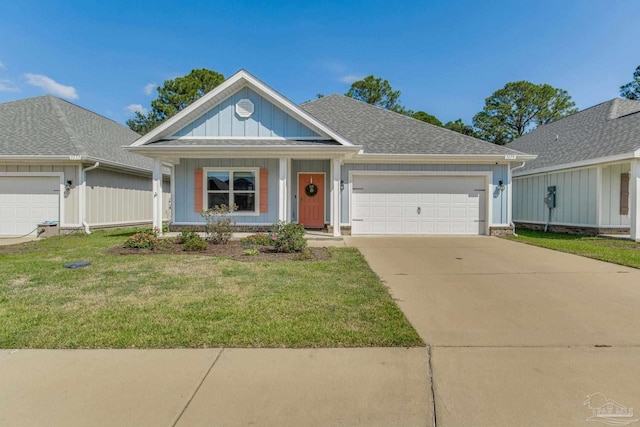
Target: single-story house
333, 163
591, 160
63, 164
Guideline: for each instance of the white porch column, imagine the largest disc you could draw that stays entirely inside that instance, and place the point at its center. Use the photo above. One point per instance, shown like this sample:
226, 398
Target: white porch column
335, 193
634, 199
509, 195
157, 195
282, 190
598, 196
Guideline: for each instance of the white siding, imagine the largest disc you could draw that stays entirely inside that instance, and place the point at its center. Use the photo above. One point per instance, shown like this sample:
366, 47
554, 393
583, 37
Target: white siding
611, 196
120, 198
576, 197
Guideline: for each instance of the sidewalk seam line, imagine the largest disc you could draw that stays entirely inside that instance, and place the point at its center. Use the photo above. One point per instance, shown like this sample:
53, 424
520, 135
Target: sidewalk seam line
184, 409
433, 393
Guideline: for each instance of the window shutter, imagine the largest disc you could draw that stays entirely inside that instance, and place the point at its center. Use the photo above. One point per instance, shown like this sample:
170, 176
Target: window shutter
264, 193
624, 194
198, 182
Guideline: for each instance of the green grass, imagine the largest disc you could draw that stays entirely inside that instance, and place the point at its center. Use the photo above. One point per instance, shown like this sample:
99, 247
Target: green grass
167, 301
623, 252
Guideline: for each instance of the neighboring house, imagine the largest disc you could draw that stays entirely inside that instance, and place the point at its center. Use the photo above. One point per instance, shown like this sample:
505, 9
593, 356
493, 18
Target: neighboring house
64, 164
334, 162
593, 160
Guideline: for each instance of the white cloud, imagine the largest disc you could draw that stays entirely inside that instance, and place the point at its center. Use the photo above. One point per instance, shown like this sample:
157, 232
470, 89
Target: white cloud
148, 89
350, 78
8, 86
132, 108
51, 86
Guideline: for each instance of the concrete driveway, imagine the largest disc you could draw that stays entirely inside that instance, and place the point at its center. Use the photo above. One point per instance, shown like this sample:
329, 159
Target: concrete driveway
518, 335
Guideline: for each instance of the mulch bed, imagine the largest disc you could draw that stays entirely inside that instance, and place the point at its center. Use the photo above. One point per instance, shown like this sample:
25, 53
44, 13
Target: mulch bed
232, 250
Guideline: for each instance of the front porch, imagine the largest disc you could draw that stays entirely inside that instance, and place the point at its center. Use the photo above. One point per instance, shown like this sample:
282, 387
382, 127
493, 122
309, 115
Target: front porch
267, 190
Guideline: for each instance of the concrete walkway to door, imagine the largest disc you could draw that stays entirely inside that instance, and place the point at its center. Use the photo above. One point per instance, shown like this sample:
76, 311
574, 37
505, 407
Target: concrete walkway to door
518, 335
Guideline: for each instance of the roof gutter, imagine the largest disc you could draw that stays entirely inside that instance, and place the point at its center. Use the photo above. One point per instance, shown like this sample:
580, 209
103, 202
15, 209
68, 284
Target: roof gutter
440, 158
83, 195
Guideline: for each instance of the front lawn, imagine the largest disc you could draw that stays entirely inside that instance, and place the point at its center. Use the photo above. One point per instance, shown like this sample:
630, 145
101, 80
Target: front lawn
165, 301
623, 252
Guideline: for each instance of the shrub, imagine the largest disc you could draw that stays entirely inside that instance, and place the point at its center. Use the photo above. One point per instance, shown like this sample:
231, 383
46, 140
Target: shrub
186, 234
142, 240
195, 244
251, 252
288, 237
219, 227
259, 239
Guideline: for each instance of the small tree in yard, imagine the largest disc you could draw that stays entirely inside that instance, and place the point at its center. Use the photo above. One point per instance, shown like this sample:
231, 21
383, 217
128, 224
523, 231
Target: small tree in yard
219, 226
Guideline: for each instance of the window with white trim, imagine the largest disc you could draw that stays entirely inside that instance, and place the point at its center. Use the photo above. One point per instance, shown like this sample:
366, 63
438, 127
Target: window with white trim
229, 186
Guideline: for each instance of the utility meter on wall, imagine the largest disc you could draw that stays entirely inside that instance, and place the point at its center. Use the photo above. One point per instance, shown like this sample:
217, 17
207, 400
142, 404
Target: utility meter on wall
550, 200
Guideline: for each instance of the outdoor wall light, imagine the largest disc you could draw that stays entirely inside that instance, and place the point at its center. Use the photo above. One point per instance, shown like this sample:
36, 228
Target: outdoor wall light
341, 185
501, 185
67, 186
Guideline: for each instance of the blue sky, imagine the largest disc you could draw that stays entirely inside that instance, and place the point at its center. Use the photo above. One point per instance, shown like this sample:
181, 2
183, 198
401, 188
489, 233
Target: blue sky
446, 57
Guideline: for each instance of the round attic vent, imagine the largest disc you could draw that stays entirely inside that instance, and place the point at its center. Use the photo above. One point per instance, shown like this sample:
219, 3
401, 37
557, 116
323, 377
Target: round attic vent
244, 108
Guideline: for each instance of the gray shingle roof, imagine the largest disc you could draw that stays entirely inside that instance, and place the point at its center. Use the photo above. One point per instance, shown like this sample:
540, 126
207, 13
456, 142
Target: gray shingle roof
50, 126
381, 131
607, 129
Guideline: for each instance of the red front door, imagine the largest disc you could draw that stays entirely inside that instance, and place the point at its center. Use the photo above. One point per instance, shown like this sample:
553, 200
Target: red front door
311, 199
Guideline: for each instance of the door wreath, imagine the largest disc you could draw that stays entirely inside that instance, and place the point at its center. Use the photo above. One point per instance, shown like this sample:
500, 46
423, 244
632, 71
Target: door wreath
311, 190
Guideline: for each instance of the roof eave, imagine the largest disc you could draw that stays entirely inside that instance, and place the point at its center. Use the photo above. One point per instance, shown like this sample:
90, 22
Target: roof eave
259, 151
580, 164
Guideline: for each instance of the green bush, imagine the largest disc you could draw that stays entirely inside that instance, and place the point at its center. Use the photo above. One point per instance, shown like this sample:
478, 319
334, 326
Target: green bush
142, 240
195, 244
251, 252
288, 237
219, 226
186, 234
259, 239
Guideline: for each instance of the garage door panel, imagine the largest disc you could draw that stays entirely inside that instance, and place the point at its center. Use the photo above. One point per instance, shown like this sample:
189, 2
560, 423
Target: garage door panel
27, 201
418, 205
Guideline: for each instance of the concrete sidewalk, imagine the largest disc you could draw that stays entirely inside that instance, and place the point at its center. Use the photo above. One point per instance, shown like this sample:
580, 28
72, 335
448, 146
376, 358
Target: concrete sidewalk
215, 387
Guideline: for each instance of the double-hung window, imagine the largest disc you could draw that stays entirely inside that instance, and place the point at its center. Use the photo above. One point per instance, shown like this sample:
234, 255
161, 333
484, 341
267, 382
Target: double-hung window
236, 186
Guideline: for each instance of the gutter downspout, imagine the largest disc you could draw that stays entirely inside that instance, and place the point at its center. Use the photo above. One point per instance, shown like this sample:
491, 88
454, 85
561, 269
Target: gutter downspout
511, 201
83, 205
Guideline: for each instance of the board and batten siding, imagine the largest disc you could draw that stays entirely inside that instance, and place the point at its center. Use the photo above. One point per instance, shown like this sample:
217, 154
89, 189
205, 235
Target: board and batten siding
611, 196
184, 189
70, 200
576, 197
120, 198
266, 121
499, 199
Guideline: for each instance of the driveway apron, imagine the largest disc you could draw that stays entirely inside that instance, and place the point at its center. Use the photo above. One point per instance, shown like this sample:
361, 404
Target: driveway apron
518, 335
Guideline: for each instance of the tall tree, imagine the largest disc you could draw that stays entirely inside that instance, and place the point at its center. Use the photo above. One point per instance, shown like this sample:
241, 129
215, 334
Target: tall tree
426, 117
518, 107
632, 89
460, 127
376, 91
175, 95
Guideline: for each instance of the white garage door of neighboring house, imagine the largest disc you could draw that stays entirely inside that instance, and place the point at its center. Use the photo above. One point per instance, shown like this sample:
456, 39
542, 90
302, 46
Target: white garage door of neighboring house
26, 201
406, 204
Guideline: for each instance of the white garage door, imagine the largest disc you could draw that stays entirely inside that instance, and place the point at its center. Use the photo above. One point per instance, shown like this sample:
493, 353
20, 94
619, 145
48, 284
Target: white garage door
26, 201
404, 204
